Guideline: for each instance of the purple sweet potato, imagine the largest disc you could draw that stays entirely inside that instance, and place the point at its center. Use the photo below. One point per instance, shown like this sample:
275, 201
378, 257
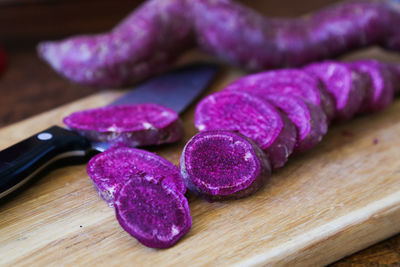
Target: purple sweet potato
350, 25
309, 119
145, 43
293, 44
220, 165
252, 117
287, 81
244, 37
380, 92
150, 39
394, 70
111, 169
128, 125
235, 34
155, 215
345, 85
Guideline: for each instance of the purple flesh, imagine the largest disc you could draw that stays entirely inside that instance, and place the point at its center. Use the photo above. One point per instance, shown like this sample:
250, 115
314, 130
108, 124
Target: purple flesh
309, 119
288, 81
345, 85
155, 215
111, 169
252, 117
128, 125
380, 93
145, 43
220, 165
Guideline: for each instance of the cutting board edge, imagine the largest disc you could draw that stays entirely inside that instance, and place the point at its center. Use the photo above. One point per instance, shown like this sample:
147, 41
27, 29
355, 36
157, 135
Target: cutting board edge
357, 234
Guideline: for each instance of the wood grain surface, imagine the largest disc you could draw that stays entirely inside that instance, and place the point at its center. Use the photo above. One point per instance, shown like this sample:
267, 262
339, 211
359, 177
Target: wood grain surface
30, 87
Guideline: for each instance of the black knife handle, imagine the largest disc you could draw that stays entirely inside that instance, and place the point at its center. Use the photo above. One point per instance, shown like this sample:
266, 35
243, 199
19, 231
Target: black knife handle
23, 160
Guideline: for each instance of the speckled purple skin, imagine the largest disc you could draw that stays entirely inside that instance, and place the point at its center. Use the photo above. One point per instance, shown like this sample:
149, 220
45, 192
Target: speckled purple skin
155, 215
145, 43
394, 70
350, 25
287, 81
345, 85
244, 37
128, 125
380, 92
150, 39
219, 165
251, 116
111, 169
309, 119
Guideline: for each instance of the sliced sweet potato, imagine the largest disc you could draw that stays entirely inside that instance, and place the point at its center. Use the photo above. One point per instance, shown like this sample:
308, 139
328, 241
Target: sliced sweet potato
252, 117
380, 92
128, 125
394, 70
287, 81
222, 164
111, 169
309, 119
155, 215
345, 85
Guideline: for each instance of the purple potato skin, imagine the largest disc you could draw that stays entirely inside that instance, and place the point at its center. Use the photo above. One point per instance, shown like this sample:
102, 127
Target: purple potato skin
151, 38
379, 90
109, 170
210, 165
128, 125
394, 70
287, 81
309, 119
245, 38
145, 43
251, 116
345, 85
155, 215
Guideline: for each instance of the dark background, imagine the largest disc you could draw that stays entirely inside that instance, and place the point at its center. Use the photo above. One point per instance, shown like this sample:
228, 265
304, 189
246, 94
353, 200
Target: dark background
29, 86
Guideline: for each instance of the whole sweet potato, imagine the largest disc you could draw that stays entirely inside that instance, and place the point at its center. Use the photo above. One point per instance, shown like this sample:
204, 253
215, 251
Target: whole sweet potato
244, 37
143, 44
149, 40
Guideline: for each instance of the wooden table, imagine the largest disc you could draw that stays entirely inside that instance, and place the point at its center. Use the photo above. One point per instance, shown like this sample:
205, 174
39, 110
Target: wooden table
29, 86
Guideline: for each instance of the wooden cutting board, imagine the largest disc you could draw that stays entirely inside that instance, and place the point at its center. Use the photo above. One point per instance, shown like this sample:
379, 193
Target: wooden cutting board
338, 198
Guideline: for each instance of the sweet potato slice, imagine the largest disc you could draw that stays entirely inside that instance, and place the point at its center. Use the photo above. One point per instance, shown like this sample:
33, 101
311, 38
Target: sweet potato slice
111, 169
394, 70
252, 117
129, 125
287, 81
380, 92
155, 215
309, 119
222, 164
345, 85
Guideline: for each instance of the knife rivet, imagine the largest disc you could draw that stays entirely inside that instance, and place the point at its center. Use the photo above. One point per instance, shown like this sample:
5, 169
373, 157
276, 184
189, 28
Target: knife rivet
44, 136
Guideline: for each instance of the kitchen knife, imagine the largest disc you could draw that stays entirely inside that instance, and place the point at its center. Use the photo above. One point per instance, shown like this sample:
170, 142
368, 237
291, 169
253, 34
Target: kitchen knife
175, 89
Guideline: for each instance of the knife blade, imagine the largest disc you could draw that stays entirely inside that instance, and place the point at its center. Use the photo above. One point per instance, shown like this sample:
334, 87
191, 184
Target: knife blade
176, 89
